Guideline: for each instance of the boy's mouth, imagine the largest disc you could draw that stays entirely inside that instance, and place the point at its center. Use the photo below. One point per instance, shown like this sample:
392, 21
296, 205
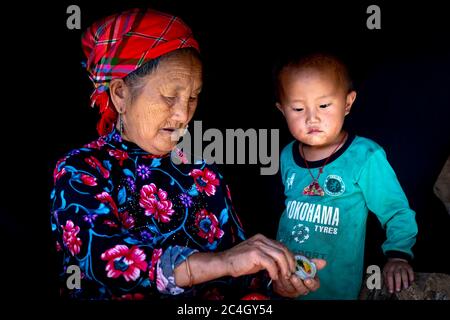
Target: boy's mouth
314, 130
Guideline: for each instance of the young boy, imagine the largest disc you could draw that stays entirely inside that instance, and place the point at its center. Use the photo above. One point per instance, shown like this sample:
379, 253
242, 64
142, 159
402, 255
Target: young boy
333, 178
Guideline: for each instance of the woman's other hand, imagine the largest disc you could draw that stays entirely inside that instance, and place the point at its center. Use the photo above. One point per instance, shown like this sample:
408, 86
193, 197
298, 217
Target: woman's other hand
294, 286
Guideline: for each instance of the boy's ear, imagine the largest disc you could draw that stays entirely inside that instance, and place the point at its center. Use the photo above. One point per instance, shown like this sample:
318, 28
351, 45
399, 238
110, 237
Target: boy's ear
351, 96
279, 107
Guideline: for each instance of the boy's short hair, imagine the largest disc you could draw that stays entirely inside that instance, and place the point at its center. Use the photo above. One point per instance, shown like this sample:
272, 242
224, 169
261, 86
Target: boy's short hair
317, 61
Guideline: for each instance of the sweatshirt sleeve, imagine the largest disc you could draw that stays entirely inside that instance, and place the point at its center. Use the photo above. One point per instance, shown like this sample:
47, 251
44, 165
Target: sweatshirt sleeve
385, 198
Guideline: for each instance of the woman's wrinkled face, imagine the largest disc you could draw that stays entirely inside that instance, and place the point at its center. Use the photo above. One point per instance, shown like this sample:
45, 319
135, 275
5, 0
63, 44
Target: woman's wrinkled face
165, 104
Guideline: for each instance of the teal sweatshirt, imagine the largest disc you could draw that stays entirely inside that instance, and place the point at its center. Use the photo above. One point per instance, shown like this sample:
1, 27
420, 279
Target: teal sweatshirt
356, 179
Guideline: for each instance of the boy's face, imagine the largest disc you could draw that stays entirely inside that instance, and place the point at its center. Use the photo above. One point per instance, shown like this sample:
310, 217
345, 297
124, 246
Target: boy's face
314, 104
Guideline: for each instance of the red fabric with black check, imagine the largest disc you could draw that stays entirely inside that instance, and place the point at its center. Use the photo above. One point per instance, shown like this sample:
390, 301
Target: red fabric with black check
119, 44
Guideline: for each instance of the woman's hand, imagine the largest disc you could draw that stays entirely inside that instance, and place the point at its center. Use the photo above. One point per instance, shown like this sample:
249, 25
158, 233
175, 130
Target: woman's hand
258, 253
294, 286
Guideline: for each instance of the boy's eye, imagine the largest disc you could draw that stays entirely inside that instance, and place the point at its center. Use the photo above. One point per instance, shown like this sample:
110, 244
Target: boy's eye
325, 105
297, 109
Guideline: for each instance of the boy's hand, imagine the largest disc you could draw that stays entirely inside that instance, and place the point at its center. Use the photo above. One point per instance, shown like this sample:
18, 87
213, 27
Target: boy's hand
397, 272
294, 286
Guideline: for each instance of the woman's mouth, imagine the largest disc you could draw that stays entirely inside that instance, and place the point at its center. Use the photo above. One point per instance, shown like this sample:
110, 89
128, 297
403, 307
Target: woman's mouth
174, 133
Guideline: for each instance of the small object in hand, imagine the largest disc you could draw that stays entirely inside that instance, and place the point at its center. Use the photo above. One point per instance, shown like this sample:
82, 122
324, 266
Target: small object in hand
305, 268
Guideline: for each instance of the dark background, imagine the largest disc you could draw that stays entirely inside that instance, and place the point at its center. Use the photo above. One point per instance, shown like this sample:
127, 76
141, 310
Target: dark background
401, 72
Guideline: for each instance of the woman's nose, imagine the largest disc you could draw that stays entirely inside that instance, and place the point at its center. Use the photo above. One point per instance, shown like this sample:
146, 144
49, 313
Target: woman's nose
181, 112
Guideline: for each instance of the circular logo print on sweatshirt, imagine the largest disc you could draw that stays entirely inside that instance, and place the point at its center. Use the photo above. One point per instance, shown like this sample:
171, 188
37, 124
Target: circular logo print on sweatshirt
334, 186
300, 233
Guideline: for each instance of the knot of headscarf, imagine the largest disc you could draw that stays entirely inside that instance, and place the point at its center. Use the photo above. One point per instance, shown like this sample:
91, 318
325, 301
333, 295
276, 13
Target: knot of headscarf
119, 44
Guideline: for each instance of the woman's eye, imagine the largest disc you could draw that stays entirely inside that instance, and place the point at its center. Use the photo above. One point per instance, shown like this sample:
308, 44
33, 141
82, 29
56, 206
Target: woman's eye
192, 99
170, 99
325, 105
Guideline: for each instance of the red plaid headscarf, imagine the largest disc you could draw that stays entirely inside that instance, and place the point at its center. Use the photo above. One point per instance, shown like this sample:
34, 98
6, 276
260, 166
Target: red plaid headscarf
119, 44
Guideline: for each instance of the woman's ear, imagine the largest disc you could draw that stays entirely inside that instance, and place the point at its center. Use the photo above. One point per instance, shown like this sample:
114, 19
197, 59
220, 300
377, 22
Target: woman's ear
279, 107
351, 96
120, 94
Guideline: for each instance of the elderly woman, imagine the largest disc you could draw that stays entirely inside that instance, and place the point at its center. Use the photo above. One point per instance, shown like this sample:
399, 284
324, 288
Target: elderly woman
136, 224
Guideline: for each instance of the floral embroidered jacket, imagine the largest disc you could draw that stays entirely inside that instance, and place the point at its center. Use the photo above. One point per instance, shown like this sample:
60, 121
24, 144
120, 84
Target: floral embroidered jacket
125, 219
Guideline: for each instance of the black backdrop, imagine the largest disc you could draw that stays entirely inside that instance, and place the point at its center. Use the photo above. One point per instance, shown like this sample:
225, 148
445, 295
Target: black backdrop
402, 74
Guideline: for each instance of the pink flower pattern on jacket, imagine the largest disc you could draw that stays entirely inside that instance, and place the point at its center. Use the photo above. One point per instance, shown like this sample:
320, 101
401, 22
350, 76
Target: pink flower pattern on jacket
124, 261
208, 226
155, 203
205, 180
88, 180
70, 239
155, 258
120, 155
96, 164
105, 197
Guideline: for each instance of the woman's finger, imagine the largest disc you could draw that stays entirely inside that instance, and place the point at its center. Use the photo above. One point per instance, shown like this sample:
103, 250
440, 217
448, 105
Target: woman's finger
278, 256
267, 262
312, 284
299, 286
290, 258
286, 285
284, 288
320, 263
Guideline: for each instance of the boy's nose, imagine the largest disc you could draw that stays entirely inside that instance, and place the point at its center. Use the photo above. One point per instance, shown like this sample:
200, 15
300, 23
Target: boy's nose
311, 117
